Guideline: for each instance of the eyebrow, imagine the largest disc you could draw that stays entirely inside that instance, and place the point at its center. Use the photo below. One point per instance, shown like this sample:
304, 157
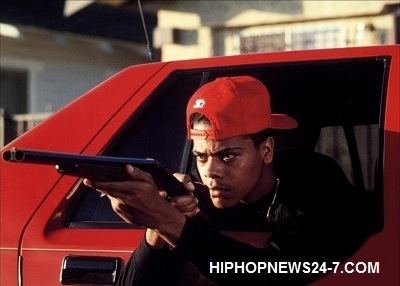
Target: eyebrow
222, 151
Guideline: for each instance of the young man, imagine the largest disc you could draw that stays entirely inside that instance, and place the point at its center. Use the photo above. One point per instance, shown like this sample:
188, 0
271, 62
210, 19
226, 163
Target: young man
253, 211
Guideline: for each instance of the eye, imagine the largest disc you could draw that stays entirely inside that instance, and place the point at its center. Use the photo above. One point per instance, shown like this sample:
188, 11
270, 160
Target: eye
228, 157
201, 158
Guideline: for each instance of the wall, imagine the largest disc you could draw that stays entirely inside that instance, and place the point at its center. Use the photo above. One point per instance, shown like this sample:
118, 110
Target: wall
62, 66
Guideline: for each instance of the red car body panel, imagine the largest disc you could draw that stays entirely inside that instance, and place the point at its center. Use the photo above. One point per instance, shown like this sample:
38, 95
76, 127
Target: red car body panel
76, 125
34, 198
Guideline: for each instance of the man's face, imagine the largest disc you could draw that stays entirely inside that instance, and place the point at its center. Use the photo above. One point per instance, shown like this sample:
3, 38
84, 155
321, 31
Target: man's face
234, 169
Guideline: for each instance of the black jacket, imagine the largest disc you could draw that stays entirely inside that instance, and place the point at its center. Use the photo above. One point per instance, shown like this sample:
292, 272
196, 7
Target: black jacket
314, 214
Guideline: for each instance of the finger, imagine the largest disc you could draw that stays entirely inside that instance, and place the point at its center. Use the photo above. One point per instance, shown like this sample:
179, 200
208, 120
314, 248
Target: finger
184, 201
188, 208
182, 177
185, 207
120, 208
185, 179
87, 182
163, 194
189, 186
122, 189
138, 175
116, 187
192, 213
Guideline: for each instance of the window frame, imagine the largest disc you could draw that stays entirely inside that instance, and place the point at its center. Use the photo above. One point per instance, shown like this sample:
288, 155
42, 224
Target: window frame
231, 70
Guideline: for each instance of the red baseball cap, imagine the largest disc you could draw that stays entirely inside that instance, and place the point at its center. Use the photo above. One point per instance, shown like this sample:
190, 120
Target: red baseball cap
235, 106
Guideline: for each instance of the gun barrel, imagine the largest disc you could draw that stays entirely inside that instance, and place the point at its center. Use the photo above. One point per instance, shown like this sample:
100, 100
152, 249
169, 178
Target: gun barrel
55, 158
31, 156
13, 155
101, 168
38, 157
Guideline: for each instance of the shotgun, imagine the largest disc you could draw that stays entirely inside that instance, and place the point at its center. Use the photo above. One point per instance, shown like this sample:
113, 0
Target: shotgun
98, 168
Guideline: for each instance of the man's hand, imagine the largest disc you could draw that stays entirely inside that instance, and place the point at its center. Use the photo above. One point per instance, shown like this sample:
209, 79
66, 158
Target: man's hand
185, 204
137, 201
188, 205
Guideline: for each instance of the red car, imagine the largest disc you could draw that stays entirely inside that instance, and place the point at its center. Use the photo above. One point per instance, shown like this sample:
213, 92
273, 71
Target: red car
55, 231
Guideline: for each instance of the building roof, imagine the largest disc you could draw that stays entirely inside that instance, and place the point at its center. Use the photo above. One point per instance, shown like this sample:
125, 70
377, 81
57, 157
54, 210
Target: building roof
96, 19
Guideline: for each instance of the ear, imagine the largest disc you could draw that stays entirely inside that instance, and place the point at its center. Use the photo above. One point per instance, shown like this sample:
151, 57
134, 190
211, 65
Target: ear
267, 150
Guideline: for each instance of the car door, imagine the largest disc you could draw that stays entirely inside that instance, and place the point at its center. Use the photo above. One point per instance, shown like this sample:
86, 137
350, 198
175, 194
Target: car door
69, 239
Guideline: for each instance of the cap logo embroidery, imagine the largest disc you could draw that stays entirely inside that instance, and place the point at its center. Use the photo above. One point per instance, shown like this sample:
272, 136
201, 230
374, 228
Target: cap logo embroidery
198, 134
199, 103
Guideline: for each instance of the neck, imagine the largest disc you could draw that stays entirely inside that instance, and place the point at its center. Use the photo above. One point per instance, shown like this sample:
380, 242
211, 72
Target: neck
264, 185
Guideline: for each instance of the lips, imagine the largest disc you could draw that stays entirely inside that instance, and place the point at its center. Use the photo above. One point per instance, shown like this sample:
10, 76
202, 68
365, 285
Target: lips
219, 191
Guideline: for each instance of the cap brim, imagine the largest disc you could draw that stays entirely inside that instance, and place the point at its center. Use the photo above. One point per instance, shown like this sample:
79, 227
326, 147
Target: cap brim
282, 121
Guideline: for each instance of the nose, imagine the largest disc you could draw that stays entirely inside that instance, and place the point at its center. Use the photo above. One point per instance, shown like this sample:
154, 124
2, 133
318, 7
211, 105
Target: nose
213, 168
